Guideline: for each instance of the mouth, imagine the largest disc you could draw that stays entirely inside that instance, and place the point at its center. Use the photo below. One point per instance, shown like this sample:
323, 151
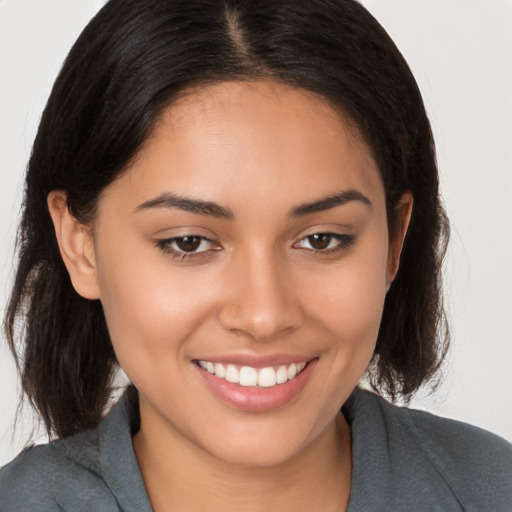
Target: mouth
258, 388
267, 377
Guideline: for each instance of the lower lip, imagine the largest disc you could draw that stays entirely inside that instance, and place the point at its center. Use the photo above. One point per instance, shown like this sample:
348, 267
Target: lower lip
256, 399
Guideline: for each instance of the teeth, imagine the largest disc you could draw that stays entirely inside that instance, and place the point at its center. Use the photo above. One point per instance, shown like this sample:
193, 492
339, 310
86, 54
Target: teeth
267, 378
220, 371
232, 374
247, 376
282, 374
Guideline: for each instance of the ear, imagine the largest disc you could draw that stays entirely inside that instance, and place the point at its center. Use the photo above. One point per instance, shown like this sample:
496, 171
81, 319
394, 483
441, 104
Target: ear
75, 244
403, 216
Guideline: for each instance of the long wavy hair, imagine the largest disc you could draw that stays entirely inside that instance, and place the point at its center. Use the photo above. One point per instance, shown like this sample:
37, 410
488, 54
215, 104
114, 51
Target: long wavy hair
131, 62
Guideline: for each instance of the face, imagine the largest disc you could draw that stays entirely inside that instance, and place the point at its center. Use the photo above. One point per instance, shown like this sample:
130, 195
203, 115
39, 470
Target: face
242, 262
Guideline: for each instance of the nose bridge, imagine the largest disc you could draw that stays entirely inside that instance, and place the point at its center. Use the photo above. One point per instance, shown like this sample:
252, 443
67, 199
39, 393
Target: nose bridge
262, 303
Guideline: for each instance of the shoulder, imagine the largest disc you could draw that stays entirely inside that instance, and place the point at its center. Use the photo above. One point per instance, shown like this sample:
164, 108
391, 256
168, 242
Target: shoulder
475, 465
94, 470
458, 442
25, 481
46, 478
456, 447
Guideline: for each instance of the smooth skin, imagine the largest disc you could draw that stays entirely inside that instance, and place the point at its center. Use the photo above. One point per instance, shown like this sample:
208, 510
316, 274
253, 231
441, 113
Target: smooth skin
253, 164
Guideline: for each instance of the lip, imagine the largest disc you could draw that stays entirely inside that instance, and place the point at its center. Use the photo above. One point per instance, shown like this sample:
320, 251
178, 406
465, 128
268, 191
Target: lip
256, 399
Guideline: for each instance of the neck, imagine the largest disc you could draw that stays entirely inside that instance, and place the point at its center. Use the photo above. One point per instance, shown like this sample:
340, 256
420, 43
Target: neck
317, 478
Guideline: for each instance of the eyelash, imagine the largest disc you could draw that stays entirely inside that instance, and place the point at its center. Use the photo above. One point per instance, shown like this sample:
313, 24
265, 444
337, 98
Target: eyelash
166, 245
344, 242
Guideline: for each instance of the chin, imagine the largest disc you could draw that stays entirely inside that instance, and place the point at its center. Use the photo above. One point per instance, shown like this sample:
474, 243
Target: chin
260, 456
263, 445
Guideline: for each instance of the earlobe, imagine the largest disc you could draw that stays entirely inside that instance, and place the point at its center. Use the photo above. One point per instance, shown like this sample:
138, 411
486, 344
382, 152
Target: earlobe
75, 244
403, 217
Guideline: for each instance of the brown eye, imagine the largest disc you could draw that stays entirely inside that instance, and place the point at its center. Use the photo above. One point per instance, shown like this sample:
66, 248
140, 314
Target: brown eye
326, 243
188, 243
320, 241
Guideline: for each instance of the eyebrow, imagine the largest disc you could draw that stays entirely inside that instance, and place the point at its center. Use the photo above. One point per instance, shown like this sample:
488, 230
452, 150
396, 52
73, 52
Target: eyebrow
188, 205
329, 202
212, 209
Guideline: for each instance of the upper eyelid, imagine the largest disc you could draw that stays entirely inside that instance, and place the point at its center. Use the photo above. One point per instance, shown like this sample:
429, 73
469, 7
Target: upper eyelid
342, 237
186, 235
331, 228
212, 239
165, 243
159, 237
334, 234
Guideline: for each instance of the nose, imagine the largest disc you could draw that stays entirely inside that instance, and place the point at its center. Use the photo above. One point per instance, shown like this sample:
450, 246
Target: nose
260, 301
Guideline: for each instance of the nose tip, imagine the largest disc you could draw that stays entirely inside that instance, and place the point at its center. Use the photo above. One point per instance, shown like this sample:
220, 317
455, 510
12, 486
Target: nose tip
259, 323
261, 305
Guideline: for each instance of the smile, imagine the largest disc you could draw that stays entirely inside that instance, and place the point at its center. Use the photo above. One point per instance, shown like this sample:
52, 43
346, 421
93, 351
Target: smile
267, 377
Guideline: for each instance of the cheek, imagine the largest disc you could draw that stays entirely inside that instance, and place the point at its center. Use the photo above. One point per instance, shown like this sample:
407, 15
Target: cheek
363, 300
354, 320
148, 308
351, 297
349, 309
356, 330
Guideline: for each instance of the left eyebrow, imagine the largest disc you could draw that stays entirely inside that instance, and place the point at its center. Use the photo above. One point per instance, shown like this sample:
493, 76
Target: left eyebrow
329, 202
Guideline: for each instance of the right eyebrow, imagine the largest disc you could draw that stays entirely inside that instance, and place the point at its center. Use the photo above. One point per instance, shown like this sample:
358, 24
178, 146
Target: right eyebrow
186, 204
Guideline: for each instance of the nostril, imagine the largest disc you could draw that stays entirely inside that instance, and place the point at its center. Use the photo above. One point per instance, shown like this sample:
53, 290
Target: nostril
259, 322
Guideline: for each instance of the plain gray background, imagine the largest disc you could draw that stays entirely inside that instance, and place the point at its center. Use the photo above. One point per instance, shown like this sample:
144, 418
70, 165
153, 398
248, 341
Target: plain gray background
460, 52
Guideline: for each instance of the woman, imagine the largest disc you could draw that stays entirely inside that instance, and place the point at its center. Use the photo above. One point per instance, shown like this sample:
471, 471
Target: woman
237, 203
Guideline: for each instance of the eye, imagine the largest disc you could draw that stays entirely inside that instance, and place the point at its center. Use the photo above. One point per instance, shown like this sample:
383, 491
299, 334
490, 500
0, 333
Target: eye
325, 242
186, 246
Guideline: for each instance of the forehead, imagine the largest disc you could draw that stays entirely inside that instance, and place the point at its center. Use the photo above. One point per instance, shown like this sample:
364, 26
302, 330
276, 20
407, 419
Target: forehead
260, 142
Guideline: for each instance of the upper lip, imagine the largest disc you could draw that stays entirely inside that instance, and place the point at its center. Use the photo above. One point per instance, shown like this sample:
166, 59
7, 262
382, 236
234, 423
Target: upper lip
257, 360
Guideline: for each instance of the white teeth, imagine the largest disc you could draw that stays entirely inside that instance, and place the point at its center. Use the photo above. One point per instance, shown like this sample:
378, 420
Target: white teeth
267, 378
282, 374
220, 371
247, 376
232, 374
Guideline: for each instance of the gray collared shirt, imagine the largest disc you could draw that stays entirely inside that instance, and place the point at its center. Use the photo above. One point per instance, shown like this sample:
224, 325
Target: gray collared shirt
403, 460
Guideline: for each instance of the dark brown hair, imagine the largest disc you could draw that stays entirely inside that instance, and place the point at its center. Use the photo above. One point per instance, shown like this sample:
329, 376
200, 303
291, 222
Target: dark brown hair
132, 60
